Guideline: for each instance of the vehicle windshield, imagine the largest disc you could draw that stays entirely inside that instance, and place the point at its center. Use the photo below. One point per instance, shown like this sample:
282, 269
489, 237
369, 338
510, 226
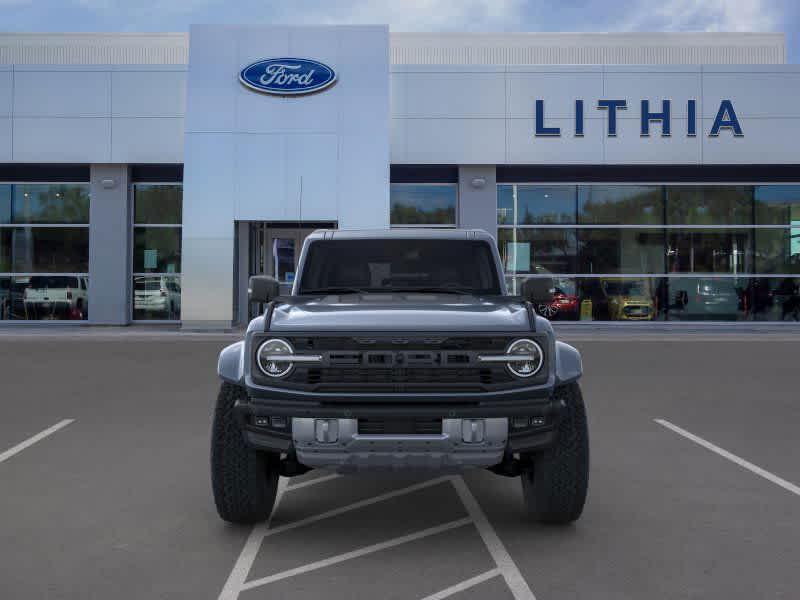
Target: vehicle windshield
399, 265
625, 288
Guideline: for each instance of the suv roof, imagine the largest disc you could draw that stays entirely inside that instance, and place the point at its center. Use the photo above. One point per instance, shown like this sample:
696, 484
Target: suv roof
401, 233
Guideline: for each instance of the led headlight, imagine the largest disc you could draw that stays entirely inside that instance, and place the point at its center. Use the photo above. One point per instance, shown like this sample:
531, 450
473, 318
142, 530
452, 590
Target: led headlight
274, 357
525, 358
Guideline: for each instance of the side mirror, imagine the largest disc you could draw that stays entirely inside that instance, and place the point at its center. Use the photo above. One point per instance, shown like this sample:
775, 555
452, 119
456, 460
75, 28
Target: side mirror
262, 288
538, 290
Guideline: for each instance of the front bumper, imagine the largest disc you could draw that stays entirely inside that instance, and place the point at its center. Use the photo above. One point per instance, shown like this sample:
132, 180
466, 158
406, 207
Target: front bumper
445, 451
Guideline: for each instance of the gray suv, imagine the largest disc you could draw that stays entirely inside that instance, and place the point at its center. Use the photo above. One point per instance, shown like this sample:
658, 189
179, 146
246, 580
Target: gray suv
401, 350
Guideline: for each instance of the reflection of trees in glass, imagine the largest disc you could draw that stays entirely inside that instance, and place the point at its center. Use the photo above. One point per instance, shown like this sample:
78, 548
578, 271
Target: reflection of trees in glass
56, 203
777, 204
709, 205
411, 215
158, 204
621, 204
422, 204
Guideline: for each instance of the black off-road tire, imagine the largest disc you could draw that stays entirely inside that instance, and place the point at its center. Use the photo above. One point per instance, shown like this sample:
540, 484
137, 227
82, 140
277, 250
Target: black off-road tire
244, 480
554, 486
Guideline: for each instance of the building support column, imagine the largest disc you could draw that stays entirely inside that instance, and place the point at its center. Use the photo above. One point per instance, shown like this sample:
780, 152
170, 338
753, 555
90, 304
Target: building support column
109, 245
477, 198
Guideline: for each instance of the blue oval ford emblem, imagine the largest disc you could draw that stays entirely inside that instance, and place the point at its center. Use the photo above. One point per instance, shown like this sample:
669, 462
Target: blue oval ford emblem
287, 76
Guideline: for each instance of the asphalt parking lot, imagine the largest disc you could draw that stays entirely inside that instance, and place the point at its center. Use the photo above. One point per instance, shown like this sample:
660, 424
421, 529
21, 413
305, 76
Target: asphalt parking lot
104, 485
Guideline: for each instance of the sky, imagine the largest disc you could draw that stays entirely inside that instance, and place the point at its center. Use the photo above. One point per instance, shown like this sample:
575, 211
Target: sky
414, 15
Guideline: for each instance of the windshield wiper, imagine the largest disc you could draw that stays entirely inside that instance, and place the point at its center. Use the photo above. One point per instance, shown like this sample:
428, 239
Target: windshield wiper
334, 290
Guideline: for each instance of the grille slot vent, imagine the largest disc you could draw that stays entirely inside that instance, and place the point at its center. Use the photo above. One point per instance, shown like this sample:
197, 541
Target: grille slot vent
400, 426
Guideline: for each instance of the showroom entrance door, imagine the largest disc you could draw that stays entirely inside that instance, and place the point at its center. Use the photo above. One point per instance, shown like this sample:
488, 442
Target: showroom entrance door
275, 250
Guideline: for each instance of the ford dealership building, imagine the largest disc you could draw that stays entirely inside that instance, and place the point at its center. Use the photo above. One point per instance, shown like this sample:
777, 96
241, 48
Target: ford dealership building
144, 177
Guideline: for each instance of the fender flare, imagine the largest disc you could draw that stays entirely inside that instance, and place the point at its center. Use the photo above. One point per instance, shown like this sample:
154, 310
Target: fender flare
569, 366
230, 366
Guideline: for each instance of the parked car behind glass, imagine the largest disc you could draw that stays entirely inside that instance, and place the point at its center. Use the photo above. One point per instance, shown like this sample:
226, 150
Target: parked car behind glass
56, 297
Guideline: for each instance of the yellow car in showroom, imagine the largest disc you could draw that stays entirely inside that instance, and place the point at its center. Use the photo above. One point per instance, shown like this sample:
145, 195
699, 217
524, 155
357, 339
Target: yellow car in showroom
628, 299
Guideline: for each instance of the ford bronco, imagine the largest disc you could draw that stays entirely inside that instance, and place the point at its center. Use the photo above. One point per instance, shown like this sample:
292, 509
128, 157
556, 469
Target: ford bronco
399, 349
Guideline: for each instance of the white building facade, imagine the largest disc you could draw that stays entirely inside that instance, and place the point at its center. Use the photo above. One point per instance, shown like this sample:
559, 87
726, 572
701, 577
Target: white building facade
650, 176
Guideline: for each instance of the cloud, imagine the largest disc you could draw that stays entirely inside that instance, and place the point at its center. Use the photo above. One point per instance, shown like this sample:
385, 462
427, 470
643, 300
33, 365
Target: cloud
413, 15
705, 15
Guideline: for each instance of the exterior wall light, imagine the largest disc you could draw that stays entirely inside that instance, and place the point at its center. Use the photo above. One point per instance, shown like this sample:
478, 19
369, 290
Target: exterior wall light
478, 182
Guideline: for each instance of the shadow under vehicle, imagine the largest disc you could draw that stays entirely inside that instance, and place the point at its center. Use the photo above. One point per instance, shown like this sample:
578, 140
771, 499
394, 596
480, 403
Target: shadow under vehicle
399, 350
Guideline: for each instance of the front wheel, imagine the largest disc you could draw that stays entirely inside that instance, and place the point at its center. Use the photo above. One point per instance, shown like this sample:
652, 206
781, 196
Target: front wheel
244, 481
555, 484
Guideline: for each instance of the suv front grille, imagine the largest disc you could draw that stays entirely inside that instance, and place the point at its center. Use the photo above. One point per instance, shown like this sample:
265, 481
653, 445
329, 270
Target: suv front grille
358, 375
397, 364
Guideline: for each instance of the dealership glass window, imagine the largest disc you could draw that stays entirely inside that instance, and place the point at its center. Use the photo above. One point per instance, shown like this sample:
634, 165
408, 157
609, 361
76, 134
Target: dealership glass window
700, 248
535, 204
778, 250
44, 251
773, 299
620, 204
777, 205
709, 205
157, 214
537, 250
621, 251
710, 250
423, 204
708, 298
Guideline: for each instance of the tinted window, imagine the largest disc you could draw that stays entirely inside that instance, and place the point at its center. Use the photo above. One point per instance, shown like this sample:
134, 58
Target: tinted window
777, 205
621, 251
423, 204
46, 203
709, 205
400, 265
535, 204
158, 204
44, 249
157, 249
532, 249
620, 204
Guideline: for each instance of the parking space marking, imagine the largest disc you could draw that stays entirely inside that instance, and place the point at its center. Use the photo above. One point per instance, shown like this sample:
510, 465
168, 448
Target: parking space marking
508, 568
321, 564
33, 439
241, 569
356, 505
464, 585
788, 486
315, 481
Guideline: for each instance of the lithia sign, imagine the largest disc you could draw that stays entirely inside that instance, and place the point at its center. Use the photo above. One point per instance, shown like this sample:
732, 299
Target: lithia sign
725, 120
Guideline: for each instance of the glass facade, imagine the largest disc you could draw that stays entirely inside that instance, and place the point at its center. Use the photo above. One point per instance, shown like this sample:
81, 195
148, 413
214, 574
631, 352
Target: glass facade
44, 251
655, 252
156, 262
416, 204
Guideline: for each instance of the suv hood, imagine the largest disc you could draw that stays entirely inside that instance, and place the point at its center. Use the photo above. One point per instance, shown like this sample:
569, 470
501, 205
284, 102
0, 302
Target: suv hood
400, 312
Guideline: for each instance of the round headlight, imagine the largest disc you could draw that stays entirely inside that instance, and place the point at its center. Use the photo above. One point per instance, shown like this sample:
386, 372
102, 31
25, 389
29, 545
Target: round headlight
266, 357
533, 361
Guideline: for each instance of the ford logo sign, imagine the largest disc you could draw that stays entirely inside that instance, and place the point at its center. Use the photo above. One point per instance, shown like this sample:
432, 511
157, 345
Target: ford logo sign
287, 76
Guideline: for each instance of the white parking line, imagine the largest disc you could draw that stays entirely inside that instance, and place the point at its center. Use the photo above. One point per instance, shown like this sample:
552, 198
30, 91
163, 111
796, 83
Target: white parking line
321, 564
506, 565
33, 439
236, 580
464, 585
790, 487
315, 481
